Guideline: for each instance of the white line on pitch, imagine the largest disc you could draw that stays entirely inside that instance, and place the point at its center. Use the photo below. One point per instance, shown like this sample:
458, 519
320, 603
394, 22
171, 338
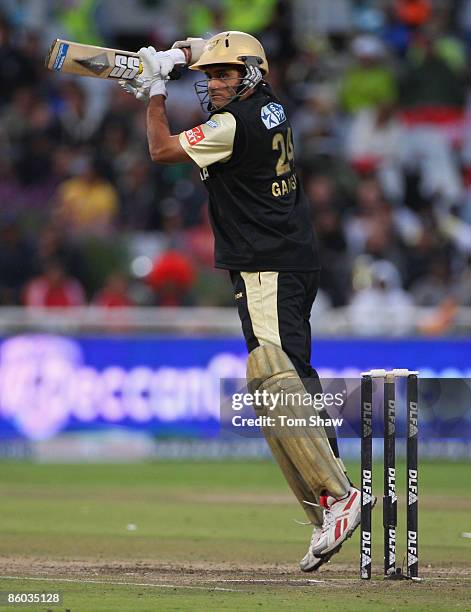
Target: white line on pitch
331, 580
121, 583
288, 582
272, 580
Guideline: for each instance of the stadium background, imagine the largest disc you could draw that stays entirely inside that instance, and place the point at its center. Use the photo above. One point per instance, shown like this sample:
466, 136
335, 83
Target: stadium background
112, 315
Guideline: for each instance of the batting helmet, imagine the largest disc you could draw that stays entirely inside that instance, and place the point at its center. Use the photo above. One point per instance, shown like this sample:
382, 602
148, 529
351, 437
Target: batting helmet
232, 48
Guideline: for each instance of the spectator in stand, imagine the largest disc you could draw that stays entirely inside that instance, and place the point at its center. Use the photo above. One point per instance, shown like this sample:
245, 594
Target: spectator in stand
374, 143
138, 194
53, 288
16, 262
372, 228
10, 189
115, 293
16, 68
428, 244
172, 278
173, 235
211, 285
199, 241
448, 295
336, 271
27, 122
395, 33
383, 306
429, 84
116, 149
435, 287
220, 15
462, 286
88, 203
53, 245
463, 20
26, 115
369, 81
448, 44
413, 13
76, 122
429, 168
316, 124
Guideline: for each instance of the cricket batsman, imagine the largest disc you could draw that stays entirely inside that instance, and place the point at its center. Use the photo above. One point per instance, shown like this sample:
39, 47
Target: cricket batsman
264, 238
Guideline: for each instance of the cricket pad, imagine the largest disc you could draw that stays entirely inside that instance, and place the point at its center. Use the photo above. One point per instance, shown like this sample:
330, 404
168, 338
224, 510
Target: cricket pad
303, 453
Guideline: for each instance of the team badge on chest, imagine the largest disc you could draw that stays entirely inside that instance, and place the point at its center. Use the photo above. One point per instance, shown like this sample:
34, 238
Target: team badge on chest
272, 115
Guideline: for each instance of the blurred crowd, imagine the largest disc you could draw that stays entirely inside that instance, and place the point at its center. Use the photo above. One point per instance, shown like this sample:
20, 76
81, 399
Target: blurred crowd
382, 121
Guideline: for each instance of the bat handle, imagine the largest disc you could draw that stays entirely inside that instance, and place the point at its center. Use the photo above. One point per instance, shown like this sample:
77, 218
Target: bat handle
175, 74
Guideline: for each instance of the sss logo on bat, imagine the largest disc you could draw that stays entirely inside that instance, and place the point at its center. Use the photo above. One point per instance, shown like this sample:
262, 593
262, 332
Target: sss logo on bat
126, 67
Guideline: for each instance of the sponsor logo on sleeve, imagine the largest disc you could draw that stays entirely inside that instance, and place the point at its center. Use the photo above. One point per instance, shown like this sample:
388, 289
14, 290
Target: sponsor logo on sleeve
195, 135
61, 55
212, 123
272, 114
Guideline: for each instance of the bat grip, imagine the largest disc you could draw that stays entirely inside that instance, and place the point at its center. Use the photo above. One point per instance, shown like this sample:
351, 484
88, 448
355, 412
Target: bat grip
175, 74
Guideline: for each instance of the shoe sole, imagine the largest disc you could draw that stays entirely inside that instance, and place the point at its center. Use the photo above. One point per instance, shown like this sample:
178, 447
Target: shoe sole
348, 533
322, 560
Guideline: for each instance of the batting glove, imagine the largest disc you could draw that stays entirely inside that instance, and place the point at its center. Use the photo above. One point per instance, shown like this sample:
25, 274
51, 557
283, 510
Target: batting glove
158, 65
138, 87
194, 45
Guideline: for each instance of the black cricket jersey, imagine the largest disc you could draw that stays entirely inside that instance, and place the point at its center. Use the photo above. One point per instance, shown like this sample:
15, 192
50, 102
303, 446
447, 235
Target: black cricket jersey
258, 210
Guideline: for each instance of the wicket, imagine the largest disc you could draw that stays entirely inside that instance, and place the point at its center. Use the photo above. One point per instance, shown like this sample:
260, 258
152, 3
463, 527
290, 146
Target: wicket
389, 472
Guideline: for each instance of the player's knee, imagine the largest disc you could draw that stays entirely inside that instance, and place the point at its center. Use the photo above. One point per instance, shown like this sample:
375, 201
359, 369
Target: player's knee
266, 361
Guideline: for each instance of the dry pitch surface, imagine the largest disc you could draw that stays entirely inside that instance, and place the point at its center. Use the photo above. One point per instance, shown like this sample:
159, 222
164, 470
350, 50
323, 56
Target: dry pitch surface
197, 536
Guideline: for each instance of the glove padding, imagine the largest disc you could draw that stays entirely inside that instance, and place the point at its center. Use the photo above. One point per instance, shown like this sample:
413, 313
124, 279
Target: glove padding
138, 87
157, 65
195, 45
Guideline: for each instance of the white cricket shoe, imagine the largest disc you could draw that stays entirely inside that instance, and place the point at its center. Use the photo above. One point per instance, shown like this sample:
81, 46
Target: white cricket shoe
311, 562
341, 518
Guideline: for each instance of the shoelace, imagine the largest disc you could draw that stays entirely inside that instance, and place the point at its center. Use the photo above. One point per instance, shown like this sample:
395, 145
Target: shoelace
304, 523
315, 531
329, 518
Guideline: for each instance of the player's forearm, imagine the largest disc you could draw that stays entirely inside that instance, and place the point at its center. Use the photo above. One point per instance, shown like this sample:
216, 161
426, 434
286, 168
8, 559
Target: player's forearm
163, 147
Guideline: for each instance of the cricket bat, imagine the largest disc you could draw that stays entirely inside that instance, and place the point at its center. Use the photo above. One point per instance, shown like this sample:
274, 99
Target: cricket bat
89, 60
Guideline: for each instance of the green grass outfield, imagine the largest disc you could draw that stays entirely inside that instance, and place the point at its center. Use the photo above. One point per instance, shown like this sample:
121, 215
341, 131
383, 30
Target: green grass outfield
212, 536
